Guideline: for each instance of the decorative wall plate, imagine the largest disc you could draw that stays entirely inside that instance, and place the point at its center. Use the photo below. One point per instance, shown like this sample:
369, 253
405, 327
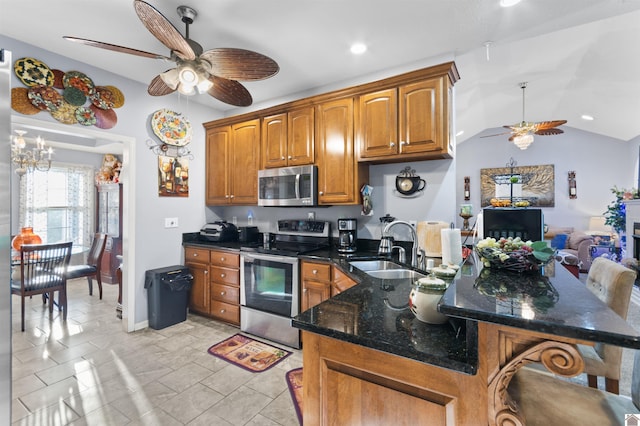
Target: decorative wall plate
85, 116
33, 72
105, 118
171, 127
79, 81
21, 103
118, 97
102, 98
44, 97
58, 79
74, 96
66, 114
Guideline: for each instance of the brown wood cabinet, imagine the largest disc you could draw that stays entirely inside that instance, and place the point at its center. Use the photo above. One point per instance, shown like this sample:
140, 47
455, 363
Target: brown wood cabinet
320, 281
215, 290
233, 159
288, 138
340, 177
408, 122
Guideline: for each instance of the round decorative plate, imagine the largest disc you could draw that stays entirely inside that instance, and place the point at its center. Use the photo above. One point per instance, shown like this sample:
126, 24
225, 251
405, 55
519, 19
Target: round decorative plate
118, 97
74, 96
79, 81
20, 101
171, 127
66, 114
102, 98
105, 118
58, 78
45, 98
32, 72
85, 116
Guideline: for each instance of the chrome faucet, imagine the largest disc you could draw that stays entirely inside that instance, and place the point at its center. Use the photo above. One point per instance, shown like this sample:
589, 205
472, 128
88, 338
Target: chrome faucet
414, 238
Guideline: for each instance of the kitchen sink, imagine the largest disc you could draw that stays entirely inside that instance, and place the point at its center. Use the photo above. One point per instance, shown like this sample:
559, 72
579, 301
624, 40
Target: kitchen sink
395, 274
384, 269
375, 265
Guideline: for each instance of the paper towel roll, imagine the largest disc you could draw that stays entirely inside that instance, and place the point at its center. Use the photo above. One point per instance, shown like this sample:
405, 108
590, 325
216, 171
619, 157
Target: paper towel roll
451, 246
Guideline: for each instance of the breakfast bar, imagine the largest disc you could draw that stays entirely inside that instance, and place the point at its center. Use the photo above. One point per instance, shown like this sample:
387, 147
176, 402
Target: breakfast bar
367, 359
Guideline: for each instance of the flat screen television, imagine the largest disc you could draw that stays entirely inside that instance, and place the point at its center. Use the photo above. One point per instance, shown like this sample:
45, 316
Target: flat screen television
528, 224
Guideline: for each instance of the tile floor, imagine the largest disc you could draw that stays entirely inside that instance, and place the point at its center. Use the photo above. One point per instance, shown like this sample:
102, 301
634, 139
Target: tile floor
88, 371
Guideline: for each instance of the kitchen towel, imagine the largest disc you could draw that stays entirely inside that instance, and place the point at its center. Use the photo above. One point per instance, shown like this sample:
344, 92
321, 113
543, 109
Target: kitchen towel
451, 246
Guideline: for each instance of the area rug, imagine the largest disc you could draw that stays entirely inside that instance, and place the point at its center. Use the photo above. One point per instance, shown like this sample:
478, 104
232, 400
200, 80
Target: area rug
294, 381
248, 353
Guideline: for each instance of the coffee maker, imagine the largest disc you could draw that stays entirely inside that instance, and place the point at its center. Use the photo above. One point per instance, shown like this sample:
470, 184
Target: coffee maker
347, 235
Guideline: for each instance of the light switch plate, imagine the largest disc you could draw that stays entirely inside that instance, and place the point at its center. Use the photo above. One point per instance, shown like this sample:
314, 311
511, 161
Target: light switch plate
170, 222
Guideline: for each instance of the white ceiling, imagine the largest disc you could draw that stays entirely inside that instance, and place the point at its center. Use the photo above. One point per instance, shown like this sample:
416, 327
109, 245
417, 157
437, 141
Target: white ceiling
578, 56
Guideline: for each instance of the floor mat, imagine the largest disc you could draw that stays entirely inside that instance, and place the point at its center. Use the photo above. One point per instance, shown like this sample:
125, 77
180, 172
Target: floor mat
294, 381
248, 353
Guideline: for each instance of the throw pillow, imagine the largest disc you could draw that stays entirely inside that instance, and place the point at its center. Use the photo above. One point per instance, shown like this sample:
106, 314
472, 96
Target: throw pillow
559, 241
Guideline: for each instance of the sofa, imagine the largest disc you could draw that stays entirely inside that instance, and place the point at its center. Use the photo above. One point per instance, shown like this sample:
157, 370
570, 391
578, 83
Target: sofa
577, 243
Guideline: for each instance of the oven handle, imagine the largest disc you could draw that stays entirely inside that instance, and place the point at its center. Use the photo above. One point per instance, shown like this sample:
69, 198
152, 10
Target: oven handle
273, 257
298, 186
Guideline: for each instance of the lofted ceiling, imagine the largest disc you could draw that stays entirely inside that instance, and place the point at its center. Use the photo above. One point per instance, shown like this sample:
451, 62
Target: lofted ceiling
578, 56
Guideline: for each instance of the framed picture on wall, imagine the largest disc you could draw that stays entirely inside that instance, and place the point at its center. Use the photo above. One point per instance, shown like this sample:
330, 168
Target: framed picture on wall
173, 176
535, 184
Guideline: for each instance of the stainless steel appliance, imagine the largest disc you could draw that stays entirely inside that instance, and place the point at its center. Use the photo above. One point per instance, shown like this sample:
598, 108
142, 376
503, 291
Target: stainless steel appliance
219, 231
347, 235
288, 186
269, 280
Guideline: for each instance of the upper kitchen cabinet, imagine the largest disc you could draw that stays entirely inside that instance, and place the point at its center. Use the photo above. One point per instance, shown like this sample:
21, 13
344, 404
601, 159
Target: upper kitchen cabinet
233, 159
288, 138
408, 121
340, 177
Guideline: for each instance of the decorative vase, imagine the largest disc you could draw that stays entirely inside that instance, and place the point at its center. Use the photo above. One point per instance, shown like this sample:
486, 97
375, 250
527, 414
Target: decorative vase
424, 298
26, 236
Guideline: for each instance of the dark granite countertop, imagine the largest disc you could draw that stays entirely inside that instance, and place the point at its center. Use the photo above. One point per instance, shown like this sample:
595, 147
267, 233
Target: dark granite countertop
554, 302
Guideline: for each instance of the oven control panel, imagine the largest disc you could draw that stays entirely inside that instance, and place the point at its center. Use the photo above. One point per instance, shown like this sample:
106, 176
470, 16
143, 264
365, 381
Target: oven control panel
310, 227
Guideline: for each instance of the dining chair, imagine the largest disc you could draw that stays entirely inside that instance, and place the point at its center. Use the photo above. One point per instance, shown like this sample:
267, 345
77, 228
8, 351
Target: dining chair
612, 283
91, 269
42, 270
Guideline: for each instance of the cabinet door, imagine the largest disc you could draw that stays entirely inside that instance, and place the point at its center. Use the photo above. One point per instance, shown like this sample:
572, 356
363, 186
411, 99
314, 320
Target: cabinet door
245, 161
217, 160
341, 282
313, 293
336, 168
378, 124
274, 141
420, 116
200, 288
300, 137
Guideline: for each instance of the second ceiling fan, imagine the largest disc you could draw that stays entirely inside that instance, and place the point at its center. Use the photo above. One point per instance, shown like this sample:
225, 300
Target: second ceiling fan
216, 71
522, 133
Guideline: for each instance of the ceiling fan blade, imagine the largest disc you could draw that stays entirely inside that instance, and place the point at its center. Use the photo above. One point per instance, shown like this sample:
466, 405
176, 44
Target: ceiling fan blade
229, 91
547, 132
497, 134
549, 124
115, 48
158, 87
163, 30
240, 64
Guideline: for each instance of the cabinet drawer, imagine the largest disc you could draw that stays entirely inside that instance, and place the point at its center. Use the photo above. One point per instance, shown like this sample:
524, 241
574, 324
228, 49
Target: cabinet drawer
192, 254
224, 275
225, 312
223, 258
225, 293
316, 271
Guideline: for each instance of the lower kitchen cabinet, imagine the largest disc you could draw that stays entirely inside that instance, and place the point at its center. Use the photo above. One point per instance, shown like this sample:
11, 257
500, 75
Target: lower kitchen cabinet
320, 281
215, 291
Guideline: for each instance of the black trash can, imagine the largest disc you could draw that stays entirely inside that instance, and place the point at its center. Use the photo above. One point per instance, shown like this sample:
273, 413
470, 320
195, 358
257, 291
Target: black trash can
167, 295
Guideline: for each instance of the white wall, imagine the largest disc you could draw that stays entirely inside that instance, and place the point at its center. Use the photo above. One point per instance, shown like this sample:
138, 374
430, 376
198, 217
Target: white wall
147, 243
600, 163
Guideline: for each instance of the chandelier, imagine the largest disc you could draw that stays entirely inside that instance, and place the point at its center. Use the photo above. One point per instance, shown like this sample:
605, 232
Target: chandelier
27, 160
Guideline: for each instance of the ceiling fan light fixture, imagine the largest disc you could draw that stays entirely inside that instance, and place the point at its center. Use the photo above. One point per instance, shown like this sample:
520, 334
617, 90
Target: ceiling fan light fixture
170, 78
523, 141
187, 76
204, 85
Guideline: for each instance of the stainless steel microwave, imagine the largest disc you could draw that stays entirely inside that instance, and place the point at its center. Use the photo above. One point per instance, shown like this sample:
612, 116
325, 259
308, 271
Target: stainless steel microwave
288, 186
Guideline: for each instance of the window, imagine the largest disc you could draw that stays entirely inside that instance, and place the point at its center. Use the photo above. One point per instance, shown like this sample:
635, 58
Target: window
59, 204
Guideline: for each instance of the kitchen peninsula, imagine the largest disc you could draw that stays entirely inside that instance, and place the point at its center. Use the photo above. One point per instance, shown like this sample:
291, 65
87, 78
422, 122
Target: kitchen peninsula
367, 360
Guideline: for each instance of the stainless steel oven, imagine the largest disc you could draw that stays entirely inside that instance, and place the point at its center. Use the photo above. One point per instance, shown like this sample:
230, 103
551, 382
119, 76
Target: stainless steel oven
269, 280
269, 296
288, 186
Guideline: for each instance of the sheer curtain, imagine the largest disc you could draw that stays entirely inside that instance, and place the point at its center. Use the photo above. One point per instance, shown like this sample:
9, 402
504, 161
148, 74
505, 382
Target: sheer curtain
59, 204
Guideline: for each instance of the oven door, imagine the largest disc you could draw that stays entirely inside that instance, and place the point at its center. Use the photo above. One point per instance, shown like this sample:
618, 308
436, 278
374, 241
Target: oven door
270, 283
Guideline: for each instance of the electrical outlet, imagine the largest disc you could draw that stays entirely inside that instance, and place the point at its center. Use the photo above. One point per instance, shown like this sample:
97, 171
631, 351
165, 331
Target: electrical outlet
170, 222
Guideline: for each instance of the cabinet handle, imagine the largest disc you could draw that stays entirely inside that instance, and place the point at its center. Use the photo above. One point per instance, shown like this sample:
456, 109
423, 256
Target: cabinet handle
222, 311
290, 157
226, 196
222, 259
222, 275
195, 255
304, 290
231, 196
206, 272
392, 144
404, 143
282, 158
314, 272
222, 293
321, 193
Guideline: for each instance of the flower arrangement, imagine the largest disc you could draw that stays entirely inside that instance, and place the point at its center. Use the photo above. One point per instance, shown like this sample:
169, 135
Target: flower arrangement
616, 215
514, 254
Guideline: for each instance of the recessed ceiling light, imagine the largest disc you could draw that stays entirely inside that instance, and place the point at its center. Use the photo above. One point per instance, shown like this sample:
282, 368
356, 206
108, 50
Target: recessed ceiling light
358, 48
508, 3
587, 117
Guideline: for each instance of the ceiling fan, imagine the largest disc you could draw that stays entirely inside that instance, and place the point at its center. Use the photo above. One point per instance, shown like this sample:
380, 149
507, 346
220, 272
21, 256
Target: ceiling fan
522, 133
216, 71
